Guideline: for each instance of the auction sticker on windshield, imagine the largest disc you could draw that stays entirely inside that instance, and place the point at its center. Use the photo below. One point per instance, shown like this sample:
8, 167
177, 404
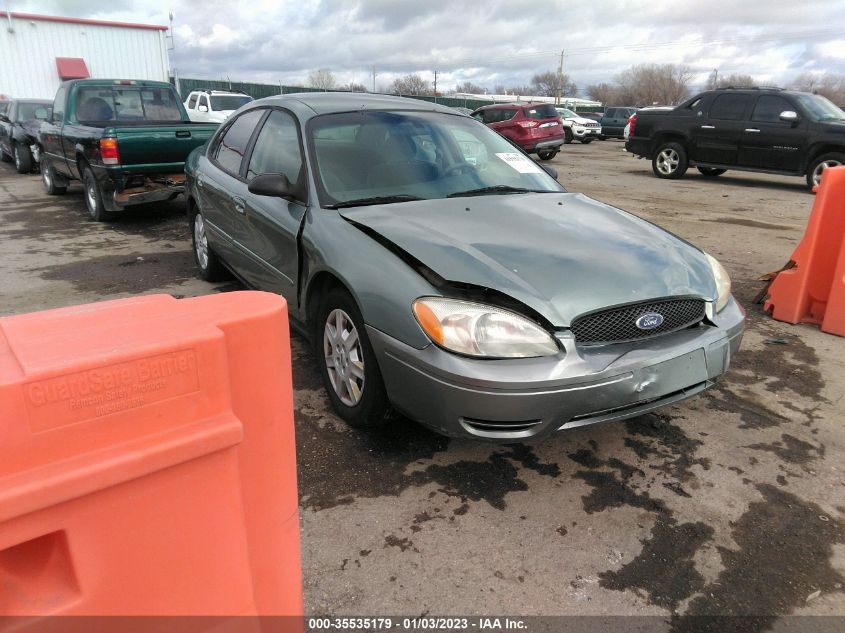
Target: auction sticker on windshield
522, 164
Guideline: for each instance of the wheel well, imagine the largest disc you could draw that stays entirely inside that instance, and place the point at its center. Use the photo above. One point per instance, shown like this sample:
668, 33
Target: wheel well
667, 137
824, 149
81, 163
190, 205
319, 286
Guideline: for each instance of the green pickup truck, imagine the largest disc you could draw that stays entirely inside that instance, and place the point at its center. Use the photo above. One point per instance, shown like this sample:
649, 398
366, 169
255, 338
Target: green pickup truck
126, 140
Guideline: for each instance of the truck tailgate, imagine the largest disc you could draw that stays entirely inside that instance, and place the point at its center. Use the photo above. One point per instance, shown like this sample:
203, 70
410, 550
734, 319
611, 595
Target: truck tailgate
158, 148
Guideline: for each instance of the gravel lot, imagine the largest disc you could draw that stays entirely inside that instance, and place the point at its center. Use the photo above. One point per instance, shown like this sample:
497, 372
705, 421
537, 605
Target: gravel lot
730, 503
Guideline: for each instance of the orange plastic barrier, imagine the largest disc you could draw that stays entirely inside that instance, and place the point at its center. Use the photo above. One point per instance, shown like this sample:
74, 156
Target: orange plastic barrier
814, 290
147, 459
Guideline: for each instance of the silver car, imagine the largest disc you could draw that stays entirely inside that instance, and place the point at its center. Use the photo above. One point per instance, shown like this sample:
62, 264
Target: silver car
441, 272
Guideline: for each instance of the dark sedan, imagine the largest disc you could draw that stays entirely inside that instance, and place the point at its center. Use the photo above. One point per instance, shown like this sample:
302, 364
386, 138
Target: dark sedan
19, 132
440, 271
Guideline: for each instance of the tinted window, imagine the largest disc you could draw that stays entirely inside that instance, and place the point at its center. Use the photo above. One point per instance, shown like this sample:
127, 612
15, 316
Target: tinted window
540, 112
277, 148
228, 102
769, 107
610, 113
192, 102
30, 111
729, 107
231, 150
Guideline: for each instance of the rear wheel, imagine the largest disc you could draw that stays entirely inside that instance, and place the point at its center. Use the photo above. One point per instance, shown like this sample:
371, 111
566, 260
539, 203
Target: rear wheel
711, 172
94, 197
5, 157
210, 266
348, 364
23, 159
547, 154
670, 160
817, 167
50, 179
567, 135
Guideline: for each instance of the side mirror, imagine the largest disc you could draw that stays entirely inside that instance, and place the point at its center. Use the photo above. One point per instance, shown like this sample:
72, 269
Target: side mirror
551, 171
789, 116
274, 185
203, 108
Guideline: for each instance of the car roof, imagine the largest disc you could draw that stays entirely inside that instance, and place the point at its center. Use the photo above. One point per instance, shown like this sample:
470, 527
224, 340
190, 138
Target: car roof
332, 102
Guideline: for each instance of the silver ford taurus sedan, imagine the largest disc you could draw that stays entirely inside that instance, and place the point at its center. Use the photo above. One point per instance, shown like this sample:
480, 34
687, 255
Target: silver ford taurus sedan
439, 271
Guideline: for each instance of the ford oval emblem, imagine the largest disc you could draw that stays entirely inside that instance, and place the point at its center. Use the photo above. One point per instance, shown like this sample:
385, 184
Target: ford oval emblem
650, 320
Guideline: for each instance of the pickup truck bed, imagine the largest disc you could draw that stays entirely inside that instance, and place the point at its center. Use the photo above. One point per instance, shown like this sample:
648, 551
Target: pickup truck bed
123, 159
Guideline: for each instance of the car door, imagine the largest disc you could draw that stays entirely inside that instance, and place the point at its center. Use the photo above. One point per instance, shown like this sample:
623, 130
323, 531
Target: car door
6, 129
191, 106
51, 133
222, 189
270, 226
717, 137
768, 142
607, 122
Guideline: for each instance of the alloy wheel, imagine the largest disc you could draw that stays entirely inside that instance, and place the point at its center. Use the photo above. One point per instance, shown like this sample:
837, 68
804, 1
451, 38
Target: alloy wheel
344, 357
817, 172
667, 161
200, 241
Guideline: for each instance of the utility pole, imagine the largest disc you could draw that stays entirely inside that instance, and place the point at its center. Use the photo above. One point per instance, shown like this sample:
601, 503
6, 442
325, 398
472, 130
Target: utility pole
559, 79
435, 86
374, 78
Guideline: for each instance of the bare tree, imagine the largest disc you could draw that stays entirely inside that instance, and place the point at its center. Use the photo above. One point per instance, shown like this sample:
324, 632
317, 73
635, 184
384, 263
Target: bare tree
736, 80
518, 90
410, 85
322, 78
648, 84
546, 84
470, 88
353, 87
603, 92
828, 85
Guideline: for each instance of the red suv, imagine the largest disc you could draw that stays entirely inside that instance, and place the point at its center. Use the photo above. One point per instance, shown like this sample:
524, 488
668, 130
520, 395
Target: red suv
535, 127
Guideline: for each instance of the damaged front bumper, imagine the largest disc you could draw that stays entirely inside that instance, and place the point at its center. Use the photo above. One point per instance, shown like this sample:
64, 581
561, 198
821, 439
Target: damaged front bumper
527, 398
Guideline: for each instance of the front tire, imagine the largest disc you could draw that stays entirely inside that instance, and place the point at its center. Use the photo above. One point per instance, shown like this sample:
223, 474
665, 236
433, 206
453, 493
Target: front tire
209, 264
547, 154
567, 135
586, 140
23, 159
817, 167
348, 364
5, 157
48, 177
94, 197
670, 160
711, 172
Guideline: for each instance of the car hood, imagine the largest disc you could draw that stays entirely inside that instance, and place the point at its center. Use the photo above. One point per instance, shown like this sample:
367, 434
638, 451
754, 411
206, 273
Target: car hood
560, 254
581, 121
31, 127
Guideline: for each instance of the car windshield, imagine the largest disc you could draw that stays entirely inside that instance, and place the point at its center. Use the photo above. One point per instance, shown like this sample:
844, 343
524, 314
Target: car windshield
566, 114
30, 111
395, 156
127, 104
228, 102
820, 107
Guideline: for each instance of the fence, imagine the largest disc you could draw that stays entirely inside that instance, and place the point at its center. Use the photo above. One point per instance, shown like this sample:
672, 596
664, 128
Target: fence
258, 91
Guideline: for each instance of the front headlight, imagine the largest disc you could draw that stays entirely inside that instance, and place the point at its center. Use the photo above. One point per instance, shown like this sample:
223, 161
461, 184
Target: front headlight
723, 282
475, 329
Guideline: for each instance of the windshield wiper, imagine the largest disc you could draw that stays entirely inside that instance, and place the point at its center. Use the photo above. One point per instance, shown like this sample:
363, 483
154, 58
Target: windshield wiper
363, 202
494, 189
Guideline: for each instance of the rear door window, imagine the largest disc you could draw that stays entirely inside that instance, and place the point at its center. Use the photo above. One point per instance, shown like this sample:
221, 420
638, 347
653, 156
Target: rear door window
610, 113
769, 107
232, 147
729, 107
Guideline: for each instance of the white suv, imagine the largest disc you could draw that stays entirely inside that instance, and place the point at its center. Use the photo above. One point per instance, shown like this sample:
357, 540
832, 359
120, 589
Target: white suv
213, 106
577, 127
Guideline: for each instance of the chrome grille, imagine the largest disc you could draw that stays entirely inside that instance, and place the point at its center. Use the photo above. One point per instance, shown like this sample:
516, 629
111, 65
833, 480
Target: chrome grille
591, 124
620, 324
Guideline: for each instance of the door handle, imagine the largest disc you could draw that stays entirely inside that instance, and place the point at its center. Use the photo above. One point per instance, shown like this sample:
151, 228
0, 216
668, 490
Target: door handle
708, 127
240, 204
751, 129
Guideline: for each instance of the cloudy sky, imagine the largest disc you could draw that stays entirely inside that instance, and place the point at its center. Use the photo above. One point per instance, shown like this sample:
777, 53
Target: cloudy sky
490, 43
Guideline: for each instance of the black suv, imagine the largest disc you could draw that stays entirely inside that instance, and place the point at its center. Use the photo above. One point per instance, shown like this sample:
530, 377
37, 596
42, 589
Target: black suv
755, 129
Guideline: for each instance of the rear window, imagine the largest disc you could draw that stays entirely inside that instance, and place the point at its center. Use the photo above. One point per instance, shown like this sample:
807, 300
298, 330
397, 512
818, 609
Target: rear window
127, 104
540, 112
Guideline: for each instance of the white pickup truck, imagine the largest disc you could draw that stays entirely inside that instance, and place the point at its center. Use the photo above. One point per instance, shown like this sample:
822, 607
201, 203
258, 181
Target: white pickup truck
213, 106
577, 127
